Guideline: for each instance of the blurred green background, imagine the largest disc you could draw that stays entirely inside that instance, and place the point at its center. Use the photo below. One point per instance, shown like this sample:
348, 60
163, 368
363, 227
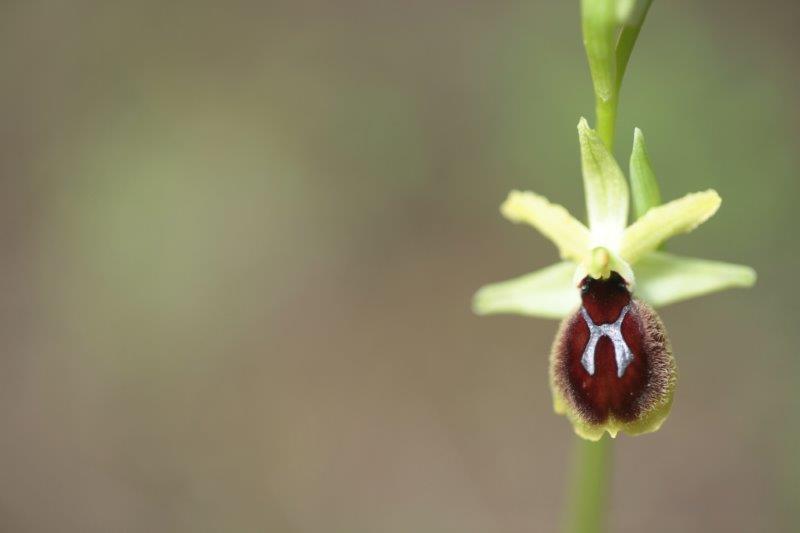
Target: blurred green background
239, 242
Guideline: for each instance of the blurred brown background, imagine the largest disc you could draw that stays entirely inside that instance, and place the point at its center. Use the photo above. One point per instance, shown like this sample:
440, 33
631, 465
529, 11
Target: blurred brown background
239, 242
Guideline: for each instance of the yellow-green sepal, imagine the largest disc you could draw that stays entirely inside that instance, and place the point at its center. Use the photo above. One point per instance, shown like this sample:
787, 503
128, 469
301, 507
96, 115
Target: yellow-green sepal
546, 293
664, 279
605, 187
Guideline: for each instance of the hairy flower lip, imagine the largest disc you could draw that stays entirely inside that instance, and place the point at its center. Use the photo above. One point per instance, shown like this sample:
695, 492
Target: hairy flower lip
636, 401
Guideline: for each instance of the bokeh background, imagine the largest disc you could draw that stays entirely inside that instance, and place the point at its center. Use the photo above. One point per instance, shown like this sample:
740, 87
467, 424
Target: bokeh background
239, 242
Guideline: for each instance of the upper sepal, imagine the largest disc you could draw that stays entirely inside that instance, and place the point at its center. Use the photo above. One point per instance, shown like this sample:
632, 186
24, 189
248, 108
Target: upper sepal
605, 188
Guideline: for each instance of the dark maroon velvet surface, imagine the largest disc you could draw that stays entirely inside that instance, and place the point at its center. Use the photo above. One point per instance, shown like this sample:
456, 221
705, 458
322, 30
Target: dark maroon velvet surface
603, 393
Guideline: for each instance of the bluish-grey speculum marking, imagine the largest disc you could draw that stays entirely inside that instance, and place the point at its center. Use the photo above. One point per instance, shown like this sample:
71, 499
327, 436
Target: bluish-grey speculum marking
613, 331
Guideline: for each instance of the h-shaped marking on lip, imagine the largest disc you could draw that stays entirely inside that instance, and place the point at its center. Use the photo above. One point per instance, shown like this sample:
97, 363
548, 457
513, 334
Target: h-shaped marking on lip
622, 353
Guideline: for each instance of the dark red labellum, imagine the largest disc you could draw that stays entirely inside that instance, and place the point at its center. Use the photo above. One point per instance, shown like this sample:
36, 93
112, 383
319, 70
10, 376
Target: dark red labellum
612, 359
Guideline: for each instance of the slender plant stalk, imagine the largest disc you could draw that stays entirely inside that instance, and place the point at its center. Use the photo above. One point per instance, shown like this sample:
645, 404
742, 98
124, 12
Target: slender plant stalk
606, 120
590, 482
591, 477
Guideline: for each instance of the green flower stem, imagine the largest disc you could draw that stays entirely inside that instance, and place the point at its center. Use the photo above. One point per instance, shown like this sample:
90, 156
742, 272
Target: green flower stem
609, 43
599, 27
588, 493
607, 120
590, 486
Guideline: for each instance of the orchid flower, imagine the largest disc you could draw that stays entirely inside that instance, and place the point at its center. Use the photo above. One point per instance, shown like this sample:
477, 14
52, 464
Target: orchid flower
601, 256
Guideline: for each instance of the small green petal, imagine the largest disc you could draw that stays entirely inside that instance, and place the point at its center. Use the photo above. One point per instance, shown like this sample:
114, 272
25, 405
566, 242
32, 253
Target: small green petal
644, 187
663, 278
665, 221
605, 187
546, 293
552, 220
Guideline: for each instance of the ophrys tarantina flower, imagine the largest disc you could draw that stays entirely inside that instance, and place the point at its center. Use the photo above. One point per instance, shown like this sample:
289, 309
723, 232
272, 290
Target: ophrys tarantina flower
611, 367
